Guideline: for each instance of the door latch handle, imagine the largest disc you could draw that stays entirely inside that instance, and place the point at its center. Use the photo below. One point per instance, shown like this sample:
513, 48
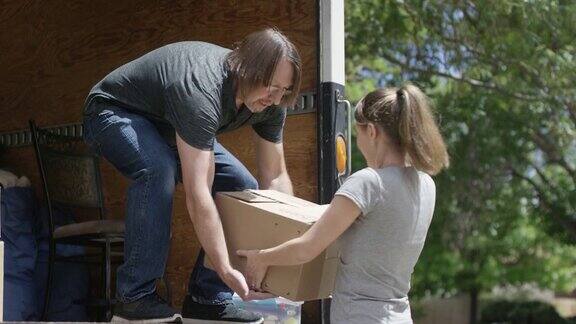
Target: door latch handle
341, 99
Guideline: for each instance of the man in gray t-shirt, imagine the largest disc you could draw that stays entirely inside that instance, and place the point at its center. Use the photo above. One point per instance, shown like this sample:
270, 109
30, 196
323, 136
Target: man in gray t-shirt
194, 97
163, 111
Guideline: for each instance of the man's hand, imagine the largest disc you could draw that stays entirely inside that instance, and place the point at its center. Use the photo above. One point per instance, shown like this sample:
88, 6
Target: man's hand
236, 281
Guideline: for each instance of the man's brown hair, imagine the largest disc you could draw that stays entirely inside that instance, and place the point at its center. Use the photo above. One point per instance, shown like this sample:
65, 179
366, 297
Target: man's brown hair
255, 59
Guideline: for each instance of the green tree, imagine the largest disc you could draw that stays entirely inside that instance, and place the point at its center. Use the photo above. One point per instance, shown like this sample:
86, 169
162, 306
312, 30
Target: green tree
520, 51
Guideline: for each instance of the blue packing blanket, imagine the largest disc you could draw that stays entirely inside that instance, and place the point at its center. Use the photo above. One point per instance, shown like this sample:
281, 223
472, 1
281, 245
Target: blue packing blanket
25, 234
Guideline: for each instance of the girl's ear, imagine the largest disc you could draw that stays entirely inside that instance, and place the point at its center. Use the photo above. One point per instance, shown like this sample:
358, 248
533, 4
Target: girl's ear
372, 131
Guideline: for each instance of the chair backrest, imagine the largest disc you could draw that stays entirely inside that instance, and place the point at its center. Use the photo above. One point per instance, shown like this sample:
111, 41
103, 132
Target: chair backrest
70, 172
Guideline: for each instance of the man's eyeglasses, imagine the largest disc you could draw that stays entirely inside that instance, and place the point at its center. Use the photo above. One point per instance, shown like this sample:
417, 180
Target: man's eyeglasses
283, 91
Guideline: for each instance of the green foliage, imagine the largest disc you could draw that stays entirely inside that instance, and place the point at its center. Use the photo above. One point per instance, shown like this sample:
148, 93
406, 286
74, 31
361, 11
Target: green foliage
501, 76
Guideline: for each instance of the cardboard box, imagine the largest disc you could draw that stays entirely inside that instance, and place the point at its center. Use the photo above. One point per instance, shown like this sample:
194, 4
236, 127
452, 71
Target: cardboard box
260, 219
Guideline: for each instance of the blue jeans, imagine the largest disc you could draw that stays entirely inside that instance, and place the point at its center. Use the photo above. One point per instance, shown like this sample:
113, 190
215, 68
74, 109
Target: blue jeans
141, 151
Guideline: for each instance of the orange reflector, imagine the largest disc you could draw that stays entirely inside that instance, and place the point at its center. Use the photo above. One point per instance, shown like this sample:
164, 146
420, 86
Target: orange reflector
341, 154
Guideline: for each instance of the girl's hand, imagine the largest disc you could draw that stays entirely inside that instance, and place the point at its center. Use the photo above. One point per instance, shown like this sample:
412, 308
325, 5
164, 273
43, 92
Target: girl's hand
255, 268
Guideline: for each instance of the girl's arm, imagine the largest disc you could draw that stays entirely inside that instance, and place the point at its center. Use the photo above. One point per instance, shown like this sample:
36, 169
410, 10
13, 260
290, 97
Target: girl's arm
336, 219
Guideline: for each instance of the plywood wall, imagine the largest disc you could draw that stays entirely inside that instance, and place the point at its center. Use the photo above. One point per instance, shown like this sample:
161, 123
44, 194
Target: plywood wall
53, 52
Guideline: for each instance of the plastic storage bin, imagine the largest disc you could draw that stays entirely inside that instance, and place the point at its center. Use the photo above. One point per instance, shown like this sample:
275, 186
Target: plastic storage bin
274, 310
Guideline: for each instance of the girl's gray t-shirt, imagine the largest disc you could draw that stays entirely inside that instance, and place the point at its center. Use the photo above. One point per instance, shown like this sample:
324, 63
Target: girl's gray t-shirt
380, 249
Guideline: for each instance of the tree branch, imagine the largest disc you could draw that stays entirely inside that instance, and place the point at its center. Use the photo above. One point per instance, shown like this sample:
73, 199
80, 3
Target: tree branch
552, 153
568, 225
486, 58
543, 177
472, 82
571, 110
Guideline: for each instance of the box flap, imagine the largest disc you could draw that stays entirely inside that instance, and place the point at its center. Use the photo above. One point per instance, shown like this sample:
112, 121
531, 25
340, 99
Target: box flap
248, 196
268, 196
283, 198
307, 215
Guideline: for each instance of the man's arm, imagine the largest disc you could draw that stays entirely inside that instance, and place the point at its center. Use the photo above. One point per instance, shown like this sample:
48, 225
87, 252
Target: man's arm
272, 173
197, 177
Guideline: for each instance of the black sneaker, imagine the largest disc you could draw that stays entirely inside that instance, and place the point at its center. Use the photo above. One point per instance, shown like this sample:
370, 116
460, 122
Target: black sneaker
148, 309
193, 312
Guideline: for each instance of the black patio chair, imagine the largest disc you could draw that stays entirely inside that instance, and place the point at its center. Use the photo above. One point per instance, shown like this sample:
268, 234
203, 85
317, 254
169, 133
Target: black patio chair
71, 179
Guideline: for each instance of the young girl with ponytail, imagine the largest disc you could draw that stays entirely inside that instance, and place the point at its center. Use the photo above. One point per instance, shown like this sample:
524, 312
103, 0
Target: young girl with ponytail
381, 213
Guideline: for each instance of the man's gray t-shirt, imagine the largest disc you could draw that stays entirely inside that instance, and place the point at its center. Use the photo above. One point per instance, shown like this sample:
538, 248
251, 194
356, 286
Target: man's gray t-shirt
186, 86
380, 249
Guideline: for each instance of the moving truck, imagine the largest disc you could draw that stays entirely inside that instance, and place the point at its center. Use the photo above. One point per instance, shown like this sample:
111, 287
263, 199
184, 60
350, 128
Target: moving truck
53, 52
